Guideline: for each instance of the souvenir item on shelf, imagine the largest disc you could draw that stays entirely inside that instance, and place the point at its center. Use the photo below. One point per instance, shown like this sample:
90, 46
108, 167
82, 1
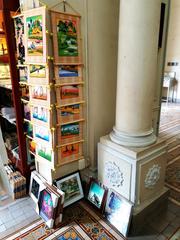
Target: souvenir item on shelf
70, 152
68, 73
71, 186
118, 212
20, 40
35, 35
38, 74
66, 38
97, 194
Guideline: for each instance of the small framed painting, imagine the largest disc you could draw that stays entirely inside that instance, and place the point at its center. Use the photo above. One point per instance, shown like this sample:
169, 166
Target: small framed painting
38, 74
118, 212
20, 39
41, 115
70, 153
69, 113
35, 35
40, 95
68, 73
97, 195
42, 134
71, 186
70, 132
66, 38
68, 94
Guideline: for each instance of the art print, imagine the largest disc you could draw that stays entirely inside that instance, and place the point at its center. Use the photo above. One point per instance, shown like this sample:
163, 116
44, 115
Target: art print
71, 186
69, 150
40, 114
96, 194
37, 71
71, 91
46, 205
66, 38
118, 212
23, 74
35, 35
44, 152
69, 113
39, 93
20, 41
42, 133
70, 130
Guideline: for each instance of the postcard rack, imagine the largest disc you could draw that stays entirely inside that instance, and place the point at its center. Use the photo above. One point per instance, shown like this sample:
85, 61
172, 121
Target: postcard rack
52, 87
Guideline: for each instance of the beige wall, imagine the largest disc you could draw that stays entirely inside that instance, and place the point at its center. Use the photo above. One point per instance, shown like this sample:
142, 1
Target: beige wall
99, 28
173, 45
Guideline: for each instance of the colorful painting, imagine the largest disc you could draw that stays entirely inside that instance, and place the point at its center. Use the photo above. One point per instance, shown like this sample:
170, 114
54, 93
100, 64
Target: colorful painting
42, 133
96, 194
46, 205
70, 110
39, 92
69, 150
44, 152
70, 130
27, 111
19, 33
118, 212
23, 74
40, 113
71, 186
68, 71
71, 91
37, 71
67, 37
35, 35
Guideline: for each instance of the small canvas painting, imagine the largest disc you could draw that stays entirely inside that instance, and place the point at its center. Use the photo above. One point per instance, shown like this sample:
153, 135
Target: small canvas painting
46, 205
44, 152
70, 91
68, 71
70, 130
23, 74
69, 150
40, 113
39, 92
42, 133
70, 110
118, 212
19, 33
35, 35
37, 71
67, 37
96, 194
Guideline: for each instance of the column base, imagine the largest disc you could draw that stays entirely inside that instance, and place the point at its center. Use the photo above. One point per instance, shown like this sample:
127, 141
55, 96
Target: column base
142, 140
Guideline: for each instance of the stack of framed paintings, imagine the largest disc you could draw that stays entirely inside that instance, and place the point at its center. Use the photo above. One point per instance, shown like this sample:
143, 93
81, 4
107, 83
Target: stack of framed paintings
69, 86
49, 200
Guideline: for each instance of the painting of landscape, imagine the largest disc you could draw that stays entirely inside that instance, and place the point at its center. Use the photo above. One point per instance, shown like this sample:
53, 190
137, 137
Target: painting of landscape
44, 152
34, 35
70, 130
67, 38
68, 71
70, 91
70, 110
69, 150
37, 71
39, 92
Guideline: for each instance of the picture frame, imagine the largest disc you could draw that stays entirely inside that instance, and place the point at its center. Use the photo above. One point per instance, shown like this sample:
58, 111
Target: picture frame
70, 112
72, 187
70, 153
40, 95
35, 35
38, 74
70, 132
69, 93
97, 195
20, 38
118, 212
66, 38
68, 73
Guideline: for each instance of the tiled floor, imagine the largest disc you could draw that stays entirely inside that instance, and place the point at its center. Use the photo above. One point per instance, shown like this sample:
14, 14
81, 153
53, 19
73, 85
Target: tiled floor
16, 216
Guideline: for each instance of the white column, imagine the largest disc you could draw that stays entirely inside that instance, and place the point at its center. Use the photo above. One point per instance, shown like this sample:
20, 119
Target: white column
137, 66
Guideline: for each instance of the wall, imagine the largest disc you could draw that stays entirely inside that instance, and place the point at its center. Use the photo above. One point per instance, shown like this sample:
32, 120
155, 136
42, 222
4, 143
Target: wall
99, 27
173, 44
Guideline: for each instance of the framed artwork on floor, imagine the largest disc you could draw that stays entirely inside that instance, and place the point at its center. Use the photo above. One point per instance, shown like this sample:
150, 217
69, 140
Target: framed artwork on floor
66, 38
118, 212
68, 73
71, 186
97, 195
20, 38
35, 35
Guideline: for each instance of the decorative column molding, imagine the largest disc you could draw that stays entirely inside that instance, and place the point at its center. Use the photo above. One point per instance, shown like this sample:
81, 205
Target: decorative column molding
137, 67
